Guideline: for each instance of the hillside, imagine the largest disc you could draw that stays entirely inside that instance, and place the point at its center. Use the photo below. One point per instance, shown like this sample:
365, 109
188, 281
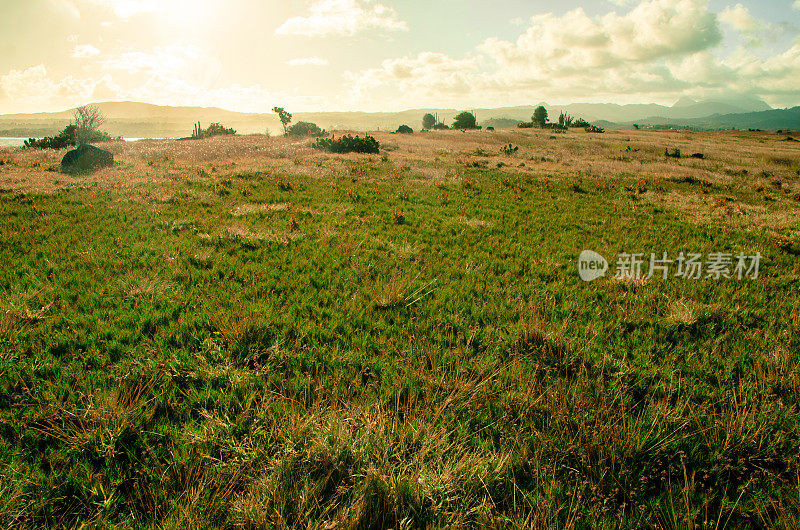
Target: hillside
773, 119
132, 119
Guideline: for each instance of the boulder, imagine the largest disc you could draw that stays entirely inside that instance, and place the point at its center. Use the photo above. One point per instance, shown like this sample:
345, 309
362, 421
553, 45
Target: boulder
86, 158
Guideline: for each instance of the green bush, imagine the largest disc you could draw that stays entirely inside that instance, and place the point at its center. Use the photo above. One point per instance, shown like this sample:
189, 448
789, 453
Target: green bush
216, 129
349, 144
440, 126
303, 128
509, 149
405, 129
594, 129
66, 138
465, 120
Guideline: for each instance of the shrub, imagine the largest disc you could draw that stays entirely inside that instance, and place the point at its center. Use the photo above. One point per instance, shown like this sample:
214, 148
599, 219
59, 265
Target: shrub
405, 129
509, 149
465, 120
216, 129
580, 122
349, 144
675, 153
304, 128
67, 138
526, 125
440, 126
594, 129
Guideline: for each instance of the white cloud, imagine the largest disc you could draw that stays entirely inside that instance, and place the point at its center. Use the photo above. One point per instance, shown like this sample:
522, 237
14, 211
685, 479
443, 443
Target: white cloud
796, 4
655, 51
35, 89
653, 30
307, 61
342, 17
160, 60
84, 51
740, 19
128, 8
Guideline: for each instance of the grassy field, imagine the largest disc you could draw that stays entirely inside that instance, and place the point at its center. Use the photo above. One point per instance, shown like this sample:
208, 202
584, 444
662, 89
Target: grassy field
247, 332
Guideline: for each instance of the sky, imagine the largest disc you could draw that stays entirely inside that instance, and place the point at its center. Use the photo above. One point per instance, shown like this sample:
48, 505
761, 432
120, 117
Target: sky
389, 55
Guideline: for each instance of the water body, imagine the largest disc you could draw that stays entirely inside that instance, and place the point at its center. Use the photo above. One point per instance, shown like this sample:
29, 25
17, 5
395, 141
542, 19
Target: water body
11, 142
17, 142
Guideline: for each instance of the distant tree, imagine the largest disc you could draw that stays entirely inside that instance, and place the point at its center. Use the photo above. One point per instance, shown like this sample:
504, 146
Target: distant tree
285, 117
87, 120
465, 120
405, 129
539, 117
304, 128
439, 126
428, 121
565, 120
217, 129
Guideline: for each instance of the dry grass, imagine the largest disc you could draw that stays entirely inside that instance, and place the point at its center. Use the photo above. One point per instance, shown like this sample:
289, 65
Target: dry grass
727, 156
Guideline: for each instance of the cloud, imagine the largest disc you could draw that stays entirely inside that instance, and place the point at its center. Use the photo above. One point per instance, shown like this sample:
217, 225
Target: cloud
740, 19
307, 61
84, 51
158, 61
429, 76
342, 17
127, 8
658, 50
653, 30
35, 89
796, 4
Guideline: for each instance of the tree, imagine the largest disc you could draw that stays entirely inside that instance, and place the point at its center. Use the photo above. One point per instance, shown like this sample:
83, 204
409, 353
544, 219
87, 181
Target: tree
465, 120
539, 117
304, 128
284, 116
405, 129
428, 121
565, 120
87, 120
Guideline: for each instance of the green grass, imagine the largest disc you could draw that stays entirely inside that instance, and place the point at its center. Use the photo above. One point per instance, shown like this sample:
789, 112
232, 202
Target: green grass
386, 352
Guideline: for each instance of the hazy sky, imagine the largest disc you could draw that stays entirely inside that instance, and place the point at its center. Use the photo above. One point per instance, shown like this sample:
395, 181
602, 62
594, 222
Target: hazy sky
251, 55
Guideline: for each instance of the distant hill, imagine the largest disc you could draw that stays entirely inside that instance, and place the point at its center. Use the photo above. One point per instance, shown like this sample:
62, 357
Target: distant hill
131, 119
770, 120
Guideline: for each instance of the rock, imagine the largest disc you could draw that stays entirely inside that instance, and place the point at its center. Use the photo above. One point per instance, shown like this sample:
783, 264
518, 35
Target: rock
86, 158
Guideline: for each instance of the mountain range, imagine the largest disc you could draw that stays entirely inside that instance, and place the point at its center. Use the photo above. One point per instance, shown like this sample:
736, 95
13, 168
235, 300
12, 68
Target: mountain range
131, 119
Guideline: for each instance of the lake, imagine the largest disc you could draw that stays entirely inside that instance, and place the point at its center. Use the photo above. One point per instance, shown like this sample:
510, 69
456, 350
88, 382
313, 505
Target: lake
11, 142
17, 142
